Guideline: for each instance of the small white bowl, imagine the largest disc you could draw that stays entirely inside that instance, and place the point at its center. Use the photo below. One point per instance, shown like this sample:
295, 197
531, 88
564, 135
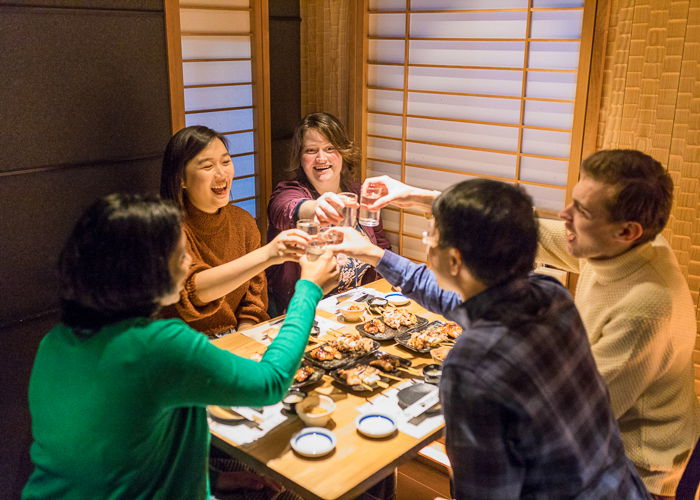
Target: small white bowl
313, 442
315, 410
397, 299
376, 424
352, 311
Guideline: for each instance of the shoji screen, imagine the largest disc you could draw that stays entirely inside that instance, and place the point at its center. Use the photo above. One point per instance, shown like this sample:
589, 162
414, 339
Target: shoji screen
218, 81
471, 88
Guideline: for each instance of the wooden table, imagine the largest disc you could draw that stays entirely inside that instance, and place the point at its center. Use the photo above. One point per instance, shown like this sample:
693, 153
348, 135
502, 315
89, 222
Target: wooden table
357, 463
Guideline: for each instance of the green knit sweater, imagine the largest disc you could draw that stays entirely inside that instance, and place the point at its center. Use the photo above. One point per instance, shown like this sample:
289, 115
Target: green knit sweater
121, 414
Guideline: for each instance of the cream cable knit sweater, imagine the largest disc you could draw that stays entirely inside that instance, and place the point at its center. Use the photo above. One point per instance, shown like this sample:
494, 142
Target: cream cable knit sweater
640, 320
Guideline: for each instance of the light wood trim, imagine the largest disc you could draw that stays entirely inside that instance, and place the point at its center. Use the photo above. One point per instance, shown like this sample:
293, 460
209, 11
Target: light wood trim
247, 176
357, 123
489, 68
238, 200
404, 111
218, 33
466, 39
239, 155
469, 11
470, 94
587, 105
214, 7
213, 110
218, 59
174, 46
238, 132
261, 111
523, 89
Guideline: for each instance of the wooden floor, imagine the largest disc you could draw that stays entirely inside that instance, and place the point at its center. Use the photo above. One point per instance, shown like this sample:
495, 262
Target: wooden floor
418, 481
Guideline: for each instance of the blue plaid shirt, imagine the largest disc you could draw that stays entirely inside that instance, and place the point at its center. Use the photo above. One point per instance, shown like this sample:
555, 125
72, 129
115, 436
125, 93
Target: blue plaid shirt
526, 412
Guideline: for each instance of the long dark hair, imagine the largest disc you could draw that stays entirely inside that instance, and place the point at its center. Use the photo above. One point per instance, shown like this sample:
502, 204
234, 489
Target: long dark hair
182, 147
331, 128
114, 265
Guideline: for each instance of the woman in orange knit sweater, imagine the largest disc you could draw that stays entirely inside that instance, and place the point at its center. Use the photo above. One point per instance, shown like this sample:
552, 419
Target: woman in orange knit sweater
226, 287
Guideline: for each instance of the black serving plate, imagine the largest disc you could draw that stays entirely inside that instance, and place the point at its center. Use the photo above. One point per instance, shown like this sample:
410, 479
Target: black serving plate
313, 378
388, 333
403, 337
339, 363
358, 388
420, 321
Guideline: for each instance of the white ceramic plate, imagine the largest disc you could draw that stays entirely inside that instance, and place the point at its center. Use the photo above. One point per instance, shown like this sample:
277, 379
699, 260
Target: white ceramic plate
313, 442
376, 425
397, 299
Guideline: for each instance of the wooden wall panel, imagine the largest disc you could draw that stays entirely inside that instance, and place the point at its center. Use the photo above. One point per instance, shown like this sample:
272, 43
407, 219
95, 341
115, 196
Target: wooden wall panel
651, 102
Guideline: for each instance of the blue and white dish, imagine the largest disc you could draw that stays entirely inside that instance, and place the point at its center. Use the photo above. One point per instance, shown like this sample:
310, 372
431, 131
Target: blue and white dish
397, 299
376, 424
313, 442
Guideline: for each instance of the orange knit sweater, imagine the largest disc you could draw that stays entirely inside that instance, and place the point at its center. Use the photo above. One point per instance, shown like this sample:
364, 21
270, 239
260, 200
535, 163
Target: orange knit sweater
214, 239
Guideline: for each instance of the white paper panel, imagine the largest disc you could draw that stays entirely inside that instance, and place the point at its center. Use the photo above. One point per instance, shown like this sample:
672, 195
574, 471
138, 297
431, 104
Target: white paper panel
387, 4
554, 55
219, 3
551, 199
465, 107
480, 162
469, 25
415, 224
377, 168
539, 4
242, 188
471, 81
203, 73
249, 206
413, 248
551, 85
223, 121
556, 24
385, 100
430, 179
386, 51
387, 25
218, 97
213, 21
463, 134
243, 165
241, 143
383, 149
385, 76
391, 219
543, 170
208, 47
485, 54
549, 114
542, 142
387, 125
467, 4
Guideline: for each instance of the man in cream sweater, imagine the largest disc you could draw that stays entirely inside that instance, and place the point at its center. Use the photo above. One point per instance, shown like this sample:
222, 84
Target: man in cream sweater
635, 304
632, 297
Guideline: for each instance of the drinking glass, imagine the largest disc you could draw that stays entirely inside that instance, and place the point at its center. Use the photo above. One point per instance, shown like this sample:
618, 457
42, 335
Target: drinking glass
315, 247
309, 226
331, 236
350, 208
370, 194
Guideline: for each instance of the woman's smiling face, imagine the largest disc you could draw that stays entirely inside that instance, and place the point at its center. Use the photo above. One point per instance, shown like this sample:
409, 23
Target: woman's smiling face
208, 176
321, 162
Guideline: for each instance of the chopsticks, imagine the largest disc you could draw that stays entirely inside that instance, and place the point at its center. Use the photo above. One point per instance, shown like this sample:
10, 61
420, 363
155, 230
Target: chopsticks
410, 371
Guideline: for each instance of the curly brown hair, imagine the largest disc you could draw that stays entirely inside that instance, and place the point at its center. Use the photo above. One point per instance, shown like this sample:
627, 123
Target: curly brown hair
331, 128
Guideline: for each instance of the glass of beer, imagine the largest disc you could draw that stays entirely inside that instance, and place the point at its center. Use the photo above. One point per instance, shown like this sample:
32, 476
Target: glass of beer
370, 194
309, 226
350, 208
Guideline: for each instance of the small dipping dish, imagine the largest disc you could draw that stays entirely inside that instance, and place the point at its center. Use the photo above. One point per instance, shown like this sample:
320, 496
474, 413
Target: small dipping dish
377, 304
397, 299
313, 442
315, 410
376, 424
291, 399
432, 373
352, 311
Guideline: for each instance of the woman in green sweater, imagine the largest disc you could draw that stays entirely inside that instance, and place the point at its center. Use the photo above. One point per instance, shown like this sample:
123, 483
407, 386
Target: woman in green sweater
118, 398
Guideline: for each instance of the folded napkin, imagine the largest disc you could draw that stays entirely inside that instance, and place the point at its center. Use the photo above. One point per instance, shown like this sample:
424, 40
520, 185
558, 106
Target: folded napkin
245, 431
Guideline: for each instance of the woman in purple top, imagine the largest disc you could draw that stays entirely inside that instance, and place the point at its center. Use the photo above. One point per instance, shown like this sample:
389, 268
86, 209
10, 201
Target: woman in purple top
322, 165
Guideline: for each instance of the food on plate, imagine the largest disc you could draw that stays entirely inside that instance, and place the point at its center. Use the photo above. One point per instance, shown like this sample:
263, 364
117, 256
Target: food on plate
427, 338
440, 353
395, 318
452, 329
374, 326
353, 343
360, 375
353, 307
303, 374
326, 352
386, 362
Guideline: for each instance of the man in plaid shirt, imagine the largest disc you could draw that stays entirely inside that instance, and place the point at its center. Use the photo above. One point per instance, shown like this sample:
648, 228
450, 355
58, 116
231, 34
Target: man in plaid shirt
527, 415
